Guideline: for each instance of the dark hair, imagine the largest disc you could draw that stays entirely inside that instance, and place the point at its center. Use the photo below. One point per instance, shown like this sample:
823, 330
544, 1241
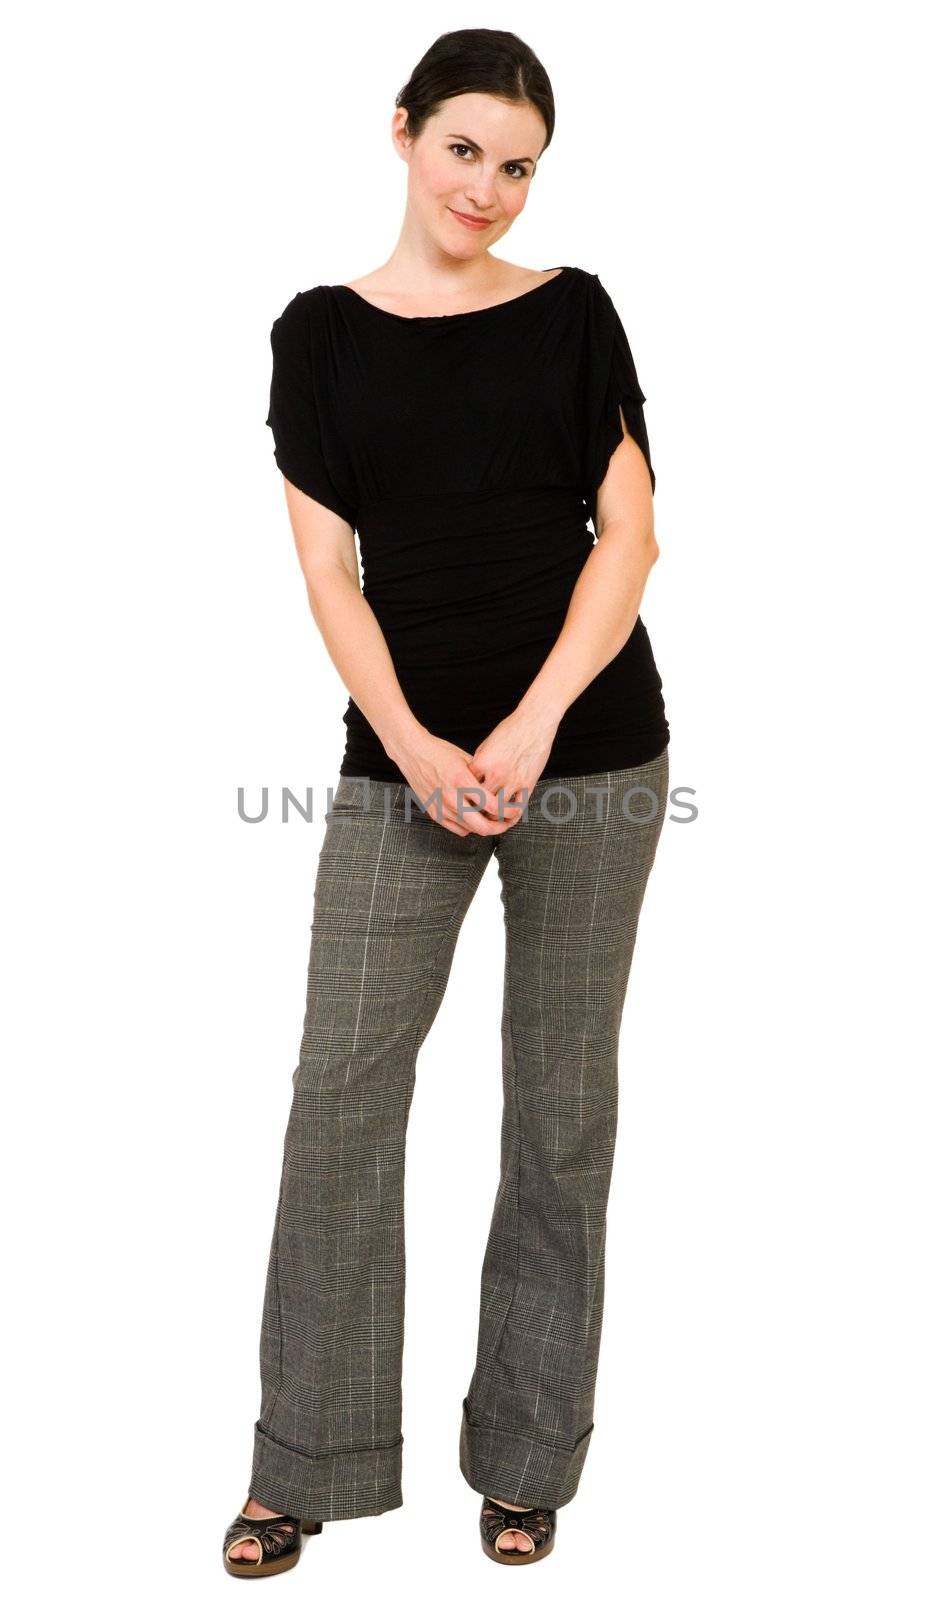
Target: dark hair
477, 61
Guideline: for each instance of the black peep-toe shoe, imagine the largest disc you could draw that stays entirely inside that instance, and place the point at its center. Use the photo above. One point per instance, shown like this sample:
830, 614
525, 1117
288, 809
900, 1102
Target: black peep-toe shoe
278, 1539
537, 1522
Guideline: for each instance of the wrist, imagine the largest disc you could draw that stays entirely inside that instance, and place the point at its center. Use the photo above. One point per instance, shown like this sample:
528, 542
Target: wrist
540, 709
402, 737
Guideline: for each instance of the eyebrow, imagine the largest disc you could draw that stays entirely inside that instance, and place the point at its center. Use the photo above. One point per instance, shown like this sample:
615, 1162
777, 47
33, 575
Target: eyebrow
474, 145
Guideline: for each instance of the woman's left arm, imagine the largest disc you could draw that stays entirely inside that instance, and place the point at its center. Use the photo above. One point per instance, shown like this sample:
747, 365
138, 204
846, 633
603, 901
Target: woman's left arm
604, 604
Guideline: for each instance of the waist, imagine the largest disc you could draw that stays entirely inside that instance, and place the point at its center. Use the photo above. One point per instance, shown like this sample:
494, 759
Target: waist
458, 552
504, 504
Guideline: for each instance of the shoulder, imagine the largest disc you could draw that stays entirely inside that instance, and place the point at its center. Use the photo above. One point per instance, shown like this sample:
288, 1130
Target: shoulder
592, 300
295, 331
597, 290
602, 312
583, 277
299, 306
289, 326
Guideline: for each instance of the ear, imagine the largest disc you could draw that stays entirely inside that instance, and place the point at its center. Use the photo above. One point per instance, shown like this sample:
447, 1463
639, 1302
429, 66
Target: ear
399, 132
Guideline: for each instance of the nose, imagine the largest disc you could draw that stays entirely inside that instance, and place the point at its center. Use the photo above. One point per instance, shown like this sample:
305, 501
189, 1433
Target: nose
480, 196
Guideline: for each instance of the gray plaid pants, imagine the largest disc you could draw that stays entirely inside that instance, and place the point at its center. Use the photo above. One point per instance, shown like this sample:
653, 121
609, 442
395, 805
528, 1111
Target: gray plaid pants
392, 889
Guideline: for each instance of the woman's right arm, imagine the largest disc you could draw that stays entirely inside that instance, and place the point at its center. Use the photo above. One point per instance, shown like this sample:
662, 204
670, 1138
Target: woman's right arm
355, 642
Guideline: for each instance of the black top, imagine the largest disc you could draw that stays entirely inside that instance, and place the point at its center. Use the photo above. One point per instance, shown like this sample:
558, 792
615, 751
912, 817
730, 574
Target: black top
466, 450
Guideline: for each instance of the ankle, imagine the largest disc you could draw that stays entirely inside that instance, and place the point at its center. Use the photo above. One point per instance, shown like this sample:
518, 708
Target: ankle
254, 1508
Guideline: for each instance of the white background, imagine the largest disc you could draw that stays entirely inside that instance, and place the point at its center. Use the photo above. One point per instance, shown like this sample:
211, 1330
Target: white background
746, 182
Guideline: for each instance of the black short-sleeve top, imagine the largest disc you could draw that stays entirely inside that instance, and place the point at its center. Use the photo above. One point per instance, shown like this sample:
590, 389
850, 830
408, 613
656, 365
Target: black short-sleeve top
466, 451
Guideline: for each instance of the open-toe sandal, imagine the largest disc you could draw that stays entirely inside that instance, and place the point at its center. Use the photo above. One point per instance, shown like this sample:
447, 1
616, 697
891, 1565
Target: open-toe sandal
279, 1541
538, 1523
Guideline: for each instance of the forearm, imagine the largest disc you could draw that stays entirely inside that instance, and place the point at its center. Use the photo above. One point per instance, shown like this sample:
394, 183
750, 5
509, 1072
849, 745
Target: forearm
359, 651
602, 611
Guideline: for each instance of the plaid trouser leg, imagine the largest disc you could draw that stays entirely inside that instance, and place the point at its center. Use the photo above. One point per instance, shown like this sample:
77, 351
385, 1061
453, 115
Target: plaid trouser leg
572, 891
390, 897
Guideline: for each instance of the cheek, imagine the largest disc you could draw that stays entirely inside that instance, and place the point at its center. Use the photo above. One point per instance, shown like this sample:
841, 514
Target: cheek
514, 201
432, 175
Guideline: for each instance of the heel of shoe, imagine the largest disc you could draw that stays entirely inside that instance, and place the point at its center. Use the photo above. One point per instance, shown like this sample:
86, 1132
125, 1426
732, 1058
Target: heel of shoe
311, 1527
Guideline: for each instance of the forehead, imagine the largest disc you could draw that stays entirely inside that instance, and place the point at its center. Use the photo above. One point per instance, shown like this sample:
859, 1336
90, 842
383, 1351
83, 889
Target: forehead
491, 121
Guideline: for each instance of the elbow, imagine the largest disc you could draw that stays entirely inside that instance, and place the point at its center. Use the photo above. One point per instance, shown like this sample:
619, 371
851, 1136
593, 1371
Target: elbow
324, 573
326, 587
636, 538
648, 549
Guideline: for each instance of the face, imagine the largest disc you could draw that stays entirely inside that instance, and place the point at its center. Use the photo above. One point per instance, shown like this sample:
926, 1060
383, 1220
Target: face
474, 159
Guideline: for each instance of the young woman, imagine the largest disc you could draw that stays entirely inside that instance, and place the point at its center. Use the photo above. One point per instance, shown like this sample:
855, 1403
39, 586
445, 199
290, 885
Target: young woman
467, 417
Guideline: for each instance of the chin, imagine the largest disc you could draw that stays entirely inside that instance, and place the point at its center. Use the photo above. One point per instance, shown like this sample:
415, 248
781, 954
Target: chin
463, 249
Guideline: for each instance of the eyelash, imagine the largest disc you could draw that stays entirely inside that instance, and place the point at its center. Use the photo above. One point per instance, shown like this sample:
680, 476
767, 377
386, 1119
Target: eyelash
522, 173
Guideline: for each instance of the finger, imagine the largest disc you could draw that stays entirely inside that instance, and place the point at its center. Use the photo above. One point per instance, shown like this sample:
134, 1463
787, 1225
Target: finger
477, 822
512, 807
450, 827
464, 802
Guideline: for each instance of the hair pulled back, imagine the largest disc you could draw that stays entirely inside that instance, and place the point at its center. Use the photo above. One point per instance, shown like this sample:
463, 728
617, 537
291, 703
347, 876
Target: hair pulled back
477, 61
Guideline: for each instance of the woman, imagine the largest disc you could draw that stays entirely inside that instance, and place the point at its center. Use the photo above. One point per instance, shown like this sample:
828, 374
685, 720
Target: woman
467, 417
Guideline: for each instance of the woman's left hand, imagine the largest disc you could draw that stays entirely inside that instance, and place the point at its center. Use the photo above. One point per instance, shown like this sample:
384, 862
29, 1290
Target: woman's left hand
509, 760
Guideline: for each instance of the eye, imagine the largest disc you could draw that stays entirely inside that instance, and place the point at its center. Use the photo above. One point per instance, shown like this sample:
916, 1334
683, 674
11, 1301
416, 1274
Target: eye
520, 170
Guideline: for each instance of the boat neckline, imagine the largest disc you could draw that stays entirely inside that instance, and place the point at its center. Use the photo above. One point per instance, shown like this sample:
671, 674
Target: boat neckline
456, 316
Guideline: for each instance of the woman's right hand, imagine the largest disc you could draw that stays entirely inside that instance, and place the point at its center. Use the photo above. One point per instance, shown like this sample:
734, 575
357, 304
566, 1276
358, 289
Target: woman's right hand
438, 769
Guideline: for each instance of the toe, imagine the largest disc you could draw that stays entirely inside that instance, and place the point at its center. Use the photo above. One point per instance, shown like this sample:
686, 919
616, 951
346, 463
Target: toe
246, 1550
513, 1540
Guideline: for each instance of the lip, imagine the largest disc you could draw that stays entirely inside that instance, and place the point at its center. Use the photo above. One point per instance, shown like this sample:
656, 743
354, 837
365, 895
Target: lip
468, 221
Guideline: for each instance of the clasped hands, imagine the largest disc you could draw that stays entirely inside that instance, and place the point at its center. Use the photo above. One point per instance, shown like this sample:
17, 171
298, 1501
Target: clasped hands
485, 791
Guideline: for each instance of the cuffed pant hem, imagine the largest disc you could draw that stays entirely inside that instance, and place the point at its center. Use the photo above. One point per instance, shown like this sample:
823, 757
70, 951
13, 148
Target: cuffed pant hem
325, 1488
527, 1472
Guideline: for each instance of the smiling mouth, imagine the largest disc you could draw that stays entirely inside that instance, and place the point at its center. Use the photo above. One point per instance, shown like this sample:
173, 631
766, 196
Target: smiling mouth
465, 216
